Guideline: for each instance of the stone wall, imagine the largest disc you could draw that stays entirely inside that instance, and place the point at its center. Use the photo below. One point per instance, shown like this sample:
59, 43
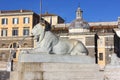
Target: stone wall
6, 41
3, 66
7, 44
90, 44
4, 75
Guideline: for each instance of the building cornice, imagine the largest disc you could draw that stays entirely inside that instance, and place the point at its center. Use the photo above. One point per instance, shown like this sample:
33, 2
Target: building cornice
13, 14
103, 23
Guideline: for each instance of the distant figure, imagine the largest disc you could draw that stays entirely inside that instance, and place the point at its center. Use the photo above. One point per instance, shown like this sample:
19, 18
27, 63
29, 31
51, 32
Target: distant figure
49, 43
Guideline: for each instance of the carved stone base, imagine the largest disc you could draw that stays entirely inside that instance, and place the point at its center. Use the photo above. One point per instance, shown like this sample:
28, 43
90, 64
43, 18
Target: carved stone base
55, 71
39, 57
48, 69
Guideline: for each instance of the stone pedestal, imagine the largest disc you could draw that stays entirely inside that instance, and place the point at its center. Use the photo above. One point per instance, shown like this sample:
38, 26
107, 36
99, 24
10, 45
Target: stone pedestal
112, 72
55, 67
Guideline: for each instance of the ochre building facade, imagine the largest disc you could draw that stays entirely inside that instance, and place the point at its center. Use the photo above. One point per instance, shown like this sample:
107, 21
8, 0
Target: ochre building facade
15, 28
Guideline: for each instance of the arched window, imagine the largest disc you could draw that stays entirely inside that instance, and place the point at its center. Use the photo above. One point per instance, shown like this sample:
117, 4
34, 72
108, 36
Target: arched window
3, 45
13, 51
14, 45
25, 45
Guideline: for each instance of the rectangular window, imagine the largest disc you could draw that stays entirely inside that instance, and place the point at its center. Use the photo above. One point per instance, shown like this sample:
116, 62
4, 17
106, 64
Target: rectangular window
100, 56
4, 21
4, 32
26, 20
15, 32
15, 21
26, 31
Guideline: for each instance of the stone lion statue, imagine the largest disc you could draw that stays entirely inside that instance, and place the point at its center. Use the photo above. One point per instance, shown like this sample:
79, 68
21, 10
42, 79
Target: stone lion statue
47, 42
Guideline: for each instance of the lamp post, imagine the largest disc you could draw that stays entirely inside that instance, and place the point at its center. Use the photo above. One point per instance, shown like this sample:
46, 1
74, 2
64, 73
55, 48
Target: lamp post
40, 11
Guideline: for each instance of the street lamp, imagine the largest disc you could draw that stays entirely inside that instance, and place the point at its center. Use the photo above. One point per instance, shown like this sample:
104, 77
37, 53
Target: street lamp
40, 11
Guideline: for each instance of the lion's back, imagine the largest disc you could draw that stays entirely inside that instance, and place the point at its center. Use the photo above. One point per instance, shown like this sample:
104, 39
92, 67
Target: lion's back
49, 40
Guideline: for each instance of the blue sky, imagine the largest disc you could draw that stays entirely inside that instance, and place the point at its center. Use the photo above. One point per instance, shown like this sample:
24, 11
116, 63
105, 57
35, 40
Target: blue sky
93, 10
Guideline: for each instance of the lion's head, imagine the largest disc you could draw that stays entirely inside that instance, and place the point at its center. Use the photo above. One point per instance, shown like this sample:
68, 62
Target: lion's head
38, 32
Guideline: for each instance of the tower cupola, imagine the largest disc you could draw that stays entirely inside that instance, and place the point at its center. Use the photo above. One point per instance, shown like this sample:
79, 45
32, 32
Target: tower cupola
79, 13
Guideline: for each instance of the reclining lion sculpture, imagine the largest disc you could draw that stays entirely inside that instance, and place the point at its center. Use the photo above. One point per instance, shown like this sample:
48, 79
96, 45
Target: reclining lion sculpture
47, 42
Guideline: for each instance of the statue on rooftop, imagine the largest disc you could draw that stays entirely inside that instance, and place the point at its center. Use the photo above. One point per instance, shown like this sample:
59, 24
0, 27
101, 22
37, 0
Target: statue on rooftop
49, 43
